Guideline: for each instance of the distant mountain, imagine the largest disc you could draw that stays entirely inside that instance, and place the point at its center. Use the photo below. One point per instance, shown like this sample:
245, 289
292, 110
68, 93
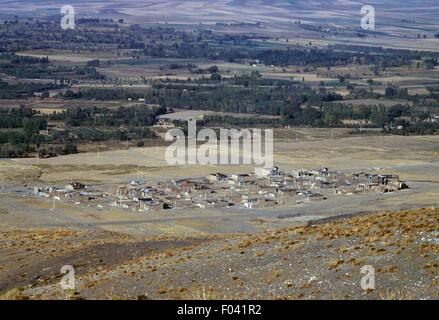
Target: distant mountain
273, 12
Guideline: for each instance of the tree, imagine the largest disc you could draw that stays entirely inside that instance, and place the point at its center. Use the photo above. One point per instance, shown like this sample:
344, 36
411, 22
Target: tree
391, 91
215, 76
69, 149
213, 69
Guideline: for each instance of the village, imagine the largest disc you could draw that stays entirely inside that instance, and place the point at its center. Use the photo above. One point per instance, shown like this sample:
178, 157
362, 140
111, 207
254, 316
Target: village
264, 188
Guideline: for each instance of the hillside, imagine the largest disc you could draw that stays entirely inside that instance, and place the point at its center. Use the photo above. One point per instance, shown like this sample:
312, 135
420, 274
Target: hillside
399, 24
318, 261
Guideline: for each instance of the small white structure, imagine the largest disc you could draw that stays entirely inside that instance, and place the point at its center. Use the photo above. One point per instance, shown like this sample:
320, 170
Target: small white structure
262, 172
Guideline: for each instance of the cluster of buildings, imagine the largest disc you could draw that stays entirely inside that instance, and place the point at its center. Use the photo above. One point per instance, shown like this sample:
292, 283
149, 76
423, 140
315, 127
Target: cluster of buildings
265, 188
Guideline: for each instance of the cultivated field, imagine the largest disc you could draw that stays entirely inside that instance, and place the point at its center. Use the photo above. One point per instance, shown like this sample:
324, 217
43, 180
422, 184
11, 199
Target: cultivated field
399, 23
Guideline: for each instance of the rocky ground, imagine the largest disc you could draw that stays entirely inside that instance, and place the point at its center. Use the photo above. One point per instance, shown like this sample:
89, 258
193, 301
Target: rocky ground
321, 260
